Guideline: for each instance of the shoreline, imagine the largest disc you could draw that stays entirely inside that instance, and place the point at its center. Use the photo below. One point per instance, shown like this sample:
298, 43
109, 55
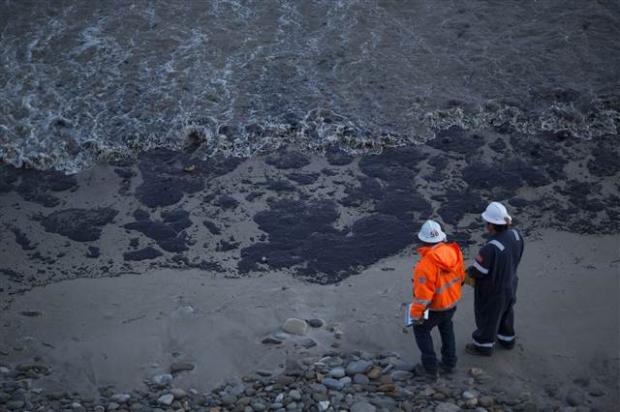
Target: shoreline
170, 209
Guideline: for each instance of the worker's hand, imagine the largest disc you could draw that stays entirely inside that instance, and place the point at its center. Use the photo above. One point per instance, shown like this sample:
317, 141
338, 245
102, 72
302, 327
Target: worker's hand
469, 280
418, 322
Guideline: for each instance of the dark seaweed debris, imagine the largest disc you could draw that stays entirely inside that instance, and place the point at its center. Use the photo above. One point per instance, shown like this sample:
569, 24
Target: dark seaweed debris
287, 159
457, 140
226, 202
304, 178
142, 254
337, 157
34, 185
390, 184
167, 175
605, 159
396, 166
22, 239
304, 233
81, 225
213, 228
169, 233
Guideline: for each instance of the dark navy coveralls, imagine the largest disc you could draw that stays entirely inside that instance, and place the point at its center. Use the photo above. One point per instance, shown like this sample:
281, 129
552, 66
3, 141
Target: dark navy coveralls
495, 291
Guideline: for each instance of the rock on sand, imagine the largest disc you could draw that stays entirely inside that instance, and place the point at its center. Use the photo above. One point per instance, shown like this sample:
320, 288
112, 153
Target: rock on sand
295, 326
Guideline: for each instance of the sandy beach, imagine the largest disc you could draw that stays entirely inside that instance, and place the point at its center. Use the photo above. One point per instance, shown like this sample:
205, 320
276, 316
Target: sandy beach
107, 290
119, 331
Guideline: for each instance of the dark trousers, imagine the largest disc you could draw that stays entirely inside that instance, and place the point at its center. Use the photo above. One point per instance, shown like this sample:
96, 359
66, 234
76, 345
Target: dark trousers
422, 333
494, 319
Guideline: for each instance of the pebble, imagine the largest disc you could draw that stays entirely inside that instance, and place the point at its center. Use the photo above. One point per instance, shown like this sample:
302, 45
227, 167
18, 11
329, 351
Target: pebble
387, 387
120, 397
384, 403
386, 379
401, 375
360, 379
345, 381
337, 372
467, 395
237, 390
258, 406
359, 366
177, 367
447, 407
245, 401
476, 372
4, 370
295, 395
15, 404
270, 340
307, 343
112, 406
166, 399
471, 403
281, 336
333, 384
374, 373
318, 388
486, 401
362, 406
323, 405
319, 397
295, 326
229, 399
162, 380
178, 393
315, 323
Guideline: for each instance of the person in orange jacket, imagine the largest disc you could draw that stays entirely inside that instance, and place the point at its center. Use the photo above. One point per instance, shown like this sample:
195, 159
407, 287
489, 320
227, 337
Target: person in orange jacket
437, 280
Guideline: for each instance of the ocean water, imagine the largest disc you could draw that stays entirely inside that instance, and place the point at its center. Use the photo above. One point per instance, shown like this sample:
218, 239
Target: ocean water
84, 80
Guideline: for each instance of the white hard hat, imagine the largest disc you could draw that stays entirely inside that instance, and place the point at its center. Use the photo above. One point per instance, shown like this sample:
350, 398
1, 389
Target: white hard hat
497, 214
431, 232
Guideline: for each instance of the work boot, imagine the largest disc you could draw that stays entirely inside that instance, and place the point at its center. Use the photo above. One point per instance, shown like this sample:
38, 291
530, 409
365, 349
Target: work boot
477, 350
447, 370
430, 376
507, 345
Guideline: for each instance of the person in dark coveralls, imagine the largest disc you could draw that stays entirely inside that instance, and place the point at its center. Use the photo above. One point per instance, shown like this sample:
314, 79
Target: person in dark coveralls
494, 275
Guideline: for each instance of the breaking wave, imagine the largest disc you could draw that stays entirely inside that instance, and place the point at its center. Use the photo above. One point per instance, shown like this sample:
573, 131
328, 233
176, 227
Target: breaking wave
83, 84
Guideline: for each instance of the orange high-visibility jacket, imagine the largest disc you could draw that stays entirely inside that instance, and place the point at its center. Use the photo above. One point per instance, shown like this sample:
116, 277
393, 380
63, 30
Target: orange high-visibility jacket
437, 278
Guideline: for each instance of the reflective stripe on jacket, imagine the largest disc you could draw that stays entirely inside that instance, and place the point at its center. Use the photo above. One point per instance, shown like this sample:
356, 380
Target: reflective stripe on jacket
437, 278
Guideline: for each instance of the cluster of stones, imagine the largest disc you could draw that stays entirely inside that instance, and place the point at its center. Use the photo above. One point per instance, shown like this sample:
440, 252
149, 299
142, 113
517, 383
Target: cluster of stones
358, 382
